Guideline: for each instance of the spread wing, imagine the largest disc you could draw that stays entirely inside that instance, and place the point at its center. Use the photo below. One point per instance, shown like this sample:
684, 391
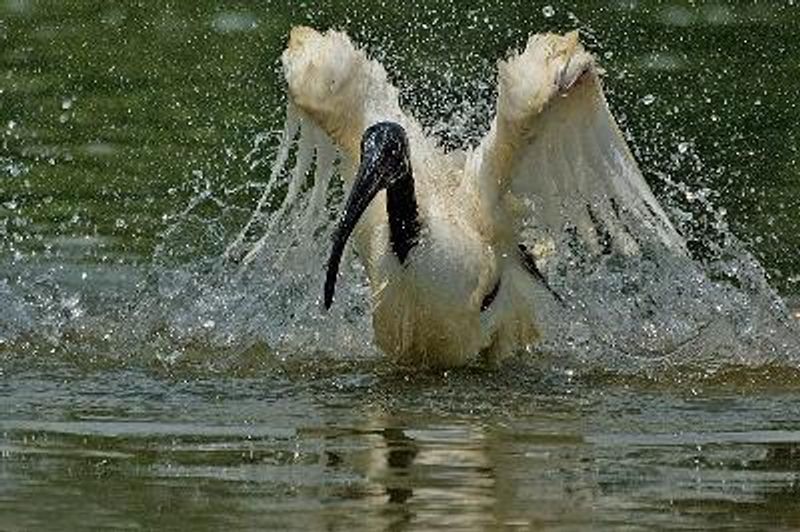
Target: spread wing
556, 163
335, 92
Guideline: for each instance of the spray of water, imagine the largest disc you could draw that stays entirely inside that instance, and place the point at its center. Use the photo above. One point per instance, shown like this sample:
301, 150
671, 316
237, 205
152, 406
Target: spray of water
641, 313
259, 290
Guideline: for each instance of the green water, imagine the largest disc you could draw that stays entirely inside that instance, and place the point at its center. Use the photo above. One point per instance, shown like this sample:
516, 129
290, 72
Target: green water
158, 90
358, 446
115, 115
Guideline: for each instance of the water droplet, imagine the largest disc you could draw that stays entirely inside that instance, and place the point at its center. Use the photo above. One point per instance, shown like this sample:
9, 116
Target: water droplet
648, 99
683, 147
548, 11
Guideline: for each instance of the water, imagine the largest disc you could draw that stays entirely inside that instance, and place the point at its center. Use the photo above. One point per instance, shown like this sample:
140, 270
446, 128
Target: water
146, 383
326, 444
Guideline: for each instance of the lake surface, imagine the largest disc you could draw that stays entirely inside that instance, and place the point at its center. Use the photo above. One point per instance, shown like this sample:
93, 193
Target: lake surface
143, 386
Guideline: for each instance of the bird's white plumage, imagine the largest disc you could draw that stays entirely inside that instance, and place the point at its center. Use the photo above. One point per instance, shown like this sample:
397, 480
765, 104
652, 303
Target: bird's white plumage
553, 160
556, 159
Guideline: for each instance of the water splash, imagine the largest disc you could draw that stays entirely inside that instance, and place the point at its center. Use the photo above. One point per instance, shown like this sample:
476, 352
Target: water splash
639, 314
218, 292
265, 287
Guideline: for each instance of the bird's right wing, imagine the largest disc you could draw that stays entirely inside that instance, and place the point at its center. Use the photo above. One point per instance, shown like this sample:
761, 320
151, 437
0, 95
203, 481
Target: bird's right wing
335, 93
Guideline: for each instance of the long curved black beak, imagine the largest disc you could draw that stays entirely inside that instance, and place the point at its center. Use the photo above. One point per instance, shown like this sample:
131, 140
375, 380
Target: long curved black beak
384, 165
368, 182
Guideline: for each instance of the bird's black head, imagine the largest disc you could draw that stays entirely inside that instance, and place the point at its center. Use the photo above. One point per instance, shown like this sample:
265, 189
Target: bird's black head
385, 164
384, 153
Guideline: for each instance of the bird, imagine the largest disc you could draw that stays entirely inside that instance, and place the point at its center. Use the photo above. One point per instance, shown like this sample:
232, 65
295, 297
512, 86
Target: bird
454, 243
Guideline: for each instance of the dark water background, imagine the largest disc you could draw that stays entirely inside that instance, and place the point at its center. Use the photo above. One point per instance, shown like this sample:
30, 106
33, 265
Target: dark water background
114, 116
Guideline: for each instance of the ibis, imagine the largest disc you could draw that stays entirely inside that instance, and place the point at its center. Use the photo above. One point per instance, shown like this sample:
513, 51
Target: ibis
454, 243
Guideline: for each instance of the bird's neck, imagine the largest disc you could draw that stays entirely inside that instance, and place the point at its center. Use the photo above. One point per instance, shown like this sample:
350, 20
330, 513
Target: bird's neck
401, 208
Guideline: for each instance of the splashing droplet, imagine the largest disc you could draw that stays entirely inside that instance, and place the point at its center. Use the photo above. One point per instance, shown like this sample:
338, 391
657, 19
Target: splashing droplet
548, 11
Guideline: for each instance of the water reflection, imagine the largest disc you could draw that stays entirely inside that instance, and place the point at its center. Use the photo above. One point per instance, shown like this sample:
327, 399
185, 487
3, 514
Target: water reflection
762, 492
401, 451
130, 449
437, 477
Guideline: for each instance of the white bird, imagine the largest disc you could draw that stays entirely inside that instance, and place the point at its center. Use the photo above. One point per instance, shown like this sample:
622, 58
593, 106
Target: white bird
452, 243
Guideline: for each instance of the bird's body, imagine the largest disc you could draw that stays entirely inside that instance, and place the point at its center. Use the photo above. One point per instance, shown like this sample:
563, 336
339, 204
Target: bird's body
446, 238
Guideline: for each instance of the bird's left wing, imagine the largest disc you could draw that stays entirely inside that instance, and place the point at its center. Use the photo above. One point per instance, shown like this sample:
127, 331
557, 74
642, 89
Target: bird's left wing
555, 165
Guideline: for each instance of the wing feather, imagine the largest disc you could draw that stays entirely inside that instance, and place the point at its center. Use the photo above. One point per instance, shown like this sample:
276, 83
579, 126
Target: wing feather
555, 149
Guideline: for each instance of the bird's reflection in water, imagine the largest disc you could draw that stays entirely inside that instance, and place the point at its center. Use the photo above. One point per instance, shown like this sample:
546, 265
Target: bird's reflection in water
400, 453
437, 476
